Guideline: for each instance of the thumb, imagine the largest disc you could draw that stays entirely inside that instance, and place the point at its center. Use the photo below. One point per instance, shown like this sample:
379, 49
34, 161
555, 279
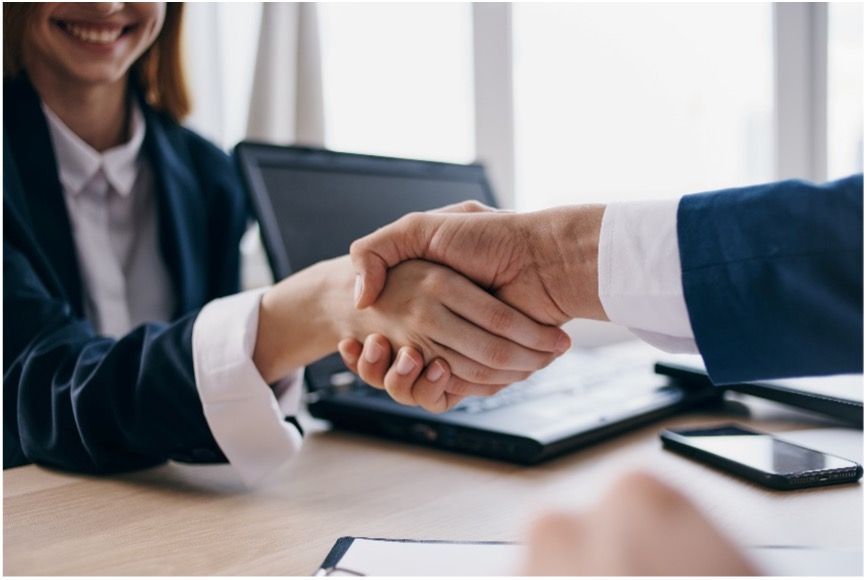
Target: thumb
405, 239
370, 273
374, 254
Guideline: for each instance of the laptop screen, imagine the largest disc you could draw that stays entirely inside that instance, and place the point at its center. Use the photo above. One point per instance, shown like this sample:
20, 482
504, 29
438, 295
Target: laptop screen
320, 213
312, 204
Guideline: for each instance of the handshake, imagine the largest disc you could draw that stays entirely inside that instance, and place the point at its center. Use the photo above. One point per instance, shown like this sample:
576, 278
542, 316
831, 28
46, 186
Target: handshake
504, 284
461, 302
488, 314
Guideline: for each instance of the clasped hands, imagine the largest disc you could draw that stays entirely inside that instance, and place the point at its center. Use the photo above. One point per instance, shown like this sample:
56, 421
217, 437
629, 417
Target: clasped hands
519, 277
507, 280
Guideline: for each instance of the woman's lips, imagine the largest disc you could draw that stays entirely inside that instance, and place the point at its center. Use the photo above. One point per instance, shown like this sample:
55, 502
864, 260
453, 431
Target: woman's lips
94, 33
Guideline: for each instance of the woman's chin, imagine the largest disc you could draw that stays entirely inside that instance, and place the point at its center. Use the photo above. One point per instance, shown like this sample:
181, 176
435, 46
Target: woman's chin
94, 74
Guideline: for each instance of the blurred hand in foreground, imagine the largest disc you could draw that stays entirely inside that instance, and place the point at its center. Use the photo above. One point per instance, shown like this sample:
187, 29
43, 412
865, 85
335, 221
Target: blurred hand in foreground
642, 527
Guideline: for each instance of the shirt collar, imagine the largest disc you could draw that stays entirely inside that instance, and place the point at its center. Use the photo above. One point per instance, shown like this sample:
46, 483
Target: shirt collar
79, 162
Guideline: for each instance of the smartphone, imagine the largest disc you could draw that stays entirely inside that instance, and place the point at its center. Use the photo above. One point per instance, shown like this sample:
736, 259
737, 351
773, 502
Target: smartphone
761, 457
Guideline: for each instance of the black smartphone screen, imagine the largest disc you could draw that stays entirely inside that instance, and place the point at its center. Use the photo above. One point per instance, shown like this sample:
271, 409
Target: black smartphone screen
761, 451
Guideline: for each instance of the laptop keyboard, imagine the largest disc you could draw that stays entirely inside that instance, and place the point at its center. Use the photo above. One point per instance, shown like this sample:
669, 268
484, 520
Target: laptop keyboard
595, 379
587, 377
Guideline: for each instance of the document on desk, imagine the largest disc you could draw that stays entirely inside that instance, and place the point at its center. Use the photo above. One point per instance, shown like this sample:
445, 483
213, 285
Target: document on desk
384, 557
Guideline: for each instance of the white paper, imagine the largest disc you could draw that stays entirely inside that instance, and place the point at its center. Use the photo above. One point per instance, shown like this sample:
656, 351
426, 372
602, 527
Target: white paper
408, 558
401, 558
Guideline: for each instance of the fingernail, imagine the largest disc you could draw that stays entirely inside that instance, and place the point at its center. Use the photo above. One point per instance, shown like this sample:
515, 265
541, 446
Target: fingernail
405, 364
359, 286
435, 372
372, 352
564, 343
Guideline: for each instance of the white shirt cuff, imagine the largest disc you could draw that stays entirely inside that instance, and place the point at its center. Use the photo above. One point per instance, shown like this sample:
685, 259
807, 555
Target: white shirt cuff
639, 273
245, 415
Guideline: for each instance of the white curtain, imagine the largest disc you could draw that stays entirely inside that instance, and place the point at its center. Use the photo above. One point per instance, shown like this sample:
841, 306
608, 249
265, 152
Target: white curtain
286, 102
254, 71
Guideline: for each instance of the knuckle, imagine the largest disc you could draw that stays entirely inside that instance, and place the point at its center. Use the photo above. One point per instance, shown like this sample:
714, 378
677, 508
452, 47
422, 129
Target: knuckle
358, 246
412, 220
480, 374
501, 318
498, 354
471, 205
435, 281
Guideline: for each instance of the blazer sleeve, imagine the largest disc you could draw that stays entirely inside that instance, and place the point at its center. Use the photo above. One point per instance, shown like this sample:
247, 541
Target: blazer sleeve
773, 278
84, 402
80, 401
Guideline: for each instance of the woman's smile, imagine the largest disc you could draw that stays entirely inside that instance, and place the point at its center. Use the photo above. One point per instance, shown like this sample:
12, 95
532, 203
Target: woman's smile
94, 34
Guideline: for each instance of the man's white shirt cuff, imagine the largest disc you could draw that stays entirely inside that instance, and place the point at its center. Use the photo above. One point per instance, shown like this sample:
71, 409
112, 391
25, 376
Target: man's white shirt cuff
639, 273
244, 414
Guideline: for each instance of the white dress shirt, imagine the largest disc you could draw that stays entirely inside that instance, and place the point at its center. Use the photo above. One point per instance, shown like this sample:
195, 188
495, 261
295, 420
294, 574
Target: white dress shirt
112, 206
639, 273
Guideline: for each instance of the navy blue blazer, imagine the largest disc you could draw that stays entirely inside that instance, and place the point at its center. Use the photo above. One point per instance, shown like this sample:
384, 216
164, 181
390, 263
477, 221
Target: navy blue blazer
75, 399
773, 278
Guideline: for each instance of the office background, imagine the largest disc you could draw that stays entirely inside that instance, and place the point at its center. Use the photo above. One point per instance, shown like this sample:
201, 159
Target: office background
564, 103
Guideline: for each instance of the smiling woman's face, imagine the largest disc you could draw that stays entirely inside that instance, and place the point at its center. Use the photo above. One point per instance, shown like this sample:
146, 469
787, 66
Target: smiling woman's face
91, 42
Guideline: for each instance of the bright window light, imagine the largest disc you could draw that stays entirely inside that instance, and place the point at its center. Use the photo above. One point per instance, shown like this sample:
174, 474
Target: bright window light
634, 101
845, 89
398, 79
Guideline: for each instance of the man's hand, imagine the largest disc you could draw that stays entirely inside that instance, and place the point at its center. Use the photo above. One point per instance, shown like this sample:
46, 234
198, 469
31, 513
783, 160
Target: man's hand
542, 263
641, 528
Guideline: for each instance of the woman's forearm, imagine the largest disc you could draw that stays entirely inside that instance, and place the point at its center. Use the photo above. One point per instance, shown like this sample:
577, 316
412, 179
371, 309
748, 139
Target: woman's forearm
302, 317
426, 306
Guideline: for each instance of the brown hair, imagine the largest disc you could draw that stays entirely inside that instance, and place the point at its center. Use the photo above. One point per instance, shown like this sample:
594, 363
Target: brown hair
159, 72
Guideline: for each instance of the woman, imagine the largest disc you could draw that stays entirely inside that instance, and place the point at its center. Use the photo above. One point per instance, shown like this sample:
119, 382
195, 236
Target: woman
125, 341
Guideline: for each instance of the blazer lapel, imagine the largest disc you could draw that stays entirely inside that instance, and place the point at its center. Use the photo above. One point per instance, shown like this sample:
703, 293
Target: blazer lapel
33, 154
182, 215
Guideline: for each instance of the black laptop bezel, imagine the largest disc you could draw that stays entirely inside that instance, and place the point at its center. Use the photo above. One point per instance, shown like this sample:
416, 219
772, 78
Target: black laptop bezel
251, 155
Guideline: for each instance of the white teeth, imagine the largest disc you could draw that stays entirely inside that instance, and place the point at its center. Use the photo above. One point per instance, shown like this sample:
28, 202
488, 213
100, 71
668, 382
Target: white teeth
95, 35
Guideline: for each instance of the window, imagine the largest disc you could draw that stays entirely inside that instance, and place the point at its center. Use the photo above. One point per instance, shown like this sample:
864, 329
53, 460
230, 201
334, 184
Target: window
398, 79
632, 101
845, 89
220, 43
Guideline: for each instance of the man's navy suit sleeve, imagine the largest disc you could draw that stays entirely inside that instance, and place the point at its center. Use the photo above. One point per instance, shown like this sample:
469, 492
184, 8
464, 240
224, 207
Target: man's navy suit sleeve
773, 278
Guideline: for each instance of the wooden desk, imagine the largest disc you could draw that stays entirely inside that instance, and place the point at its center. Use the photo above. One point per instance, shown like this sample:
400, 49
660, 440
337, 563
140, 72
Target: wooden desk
179, 519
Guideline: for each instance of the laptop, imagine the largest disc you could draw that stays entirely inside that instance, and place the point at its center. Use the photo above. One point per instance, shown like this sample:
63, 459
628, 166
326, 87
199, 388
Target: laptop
312, 203
837, 396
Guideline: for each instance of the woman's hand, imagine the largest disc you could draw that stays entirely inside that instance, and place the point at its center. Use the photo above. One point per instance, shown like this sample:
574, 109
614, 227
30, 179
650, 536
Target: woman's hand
405, 377
443, 315
485, 343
